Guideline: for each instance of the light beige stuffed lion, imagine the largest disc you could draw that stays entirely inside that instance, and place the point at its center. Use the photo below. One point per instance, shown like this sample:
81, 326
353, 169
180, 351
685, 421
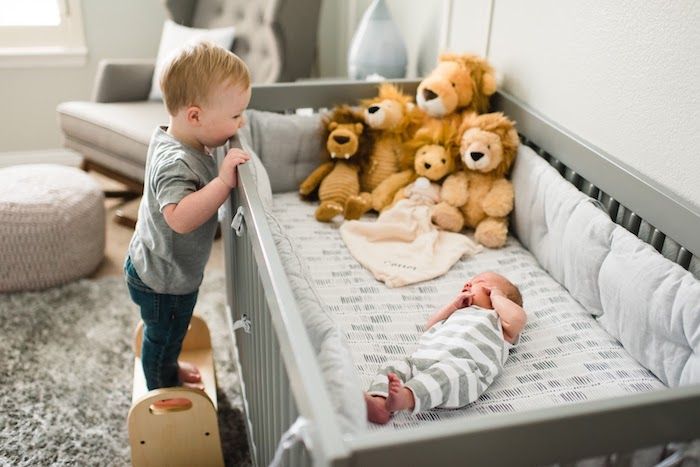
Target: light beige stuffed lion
479, 196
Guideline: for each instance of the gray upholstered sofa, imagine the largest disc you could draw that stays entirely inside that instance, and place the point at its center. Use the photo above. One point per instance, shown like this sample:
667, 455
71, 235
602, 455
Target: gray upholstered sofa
276, 38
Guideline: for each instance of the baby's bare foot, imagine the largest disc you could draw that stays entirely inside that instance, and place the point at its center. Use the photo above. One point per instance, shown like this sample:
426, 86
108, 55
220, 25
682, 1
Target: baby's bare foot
400, 397
188, 373
376, 409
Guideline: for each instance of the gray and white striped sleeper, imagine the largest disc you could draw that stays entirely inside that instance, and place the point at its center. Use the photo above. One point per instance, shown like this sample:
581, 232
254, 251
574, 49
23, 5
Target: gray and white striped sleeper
456, 360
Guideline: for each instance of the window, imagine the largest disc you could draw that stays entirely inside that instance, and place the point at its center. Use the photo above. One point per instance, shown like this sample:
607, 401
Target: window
41, 33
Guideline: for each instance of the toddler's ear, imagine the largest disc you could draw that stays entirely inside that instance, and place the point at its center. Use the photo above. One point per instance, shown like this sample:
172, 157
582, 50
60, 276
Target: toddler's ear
193, 114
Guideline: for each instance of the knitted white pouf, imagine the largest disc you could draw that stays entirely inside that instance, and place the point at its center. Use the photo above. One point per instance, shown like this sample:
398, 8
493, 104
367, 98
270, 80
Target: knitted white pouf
52, 226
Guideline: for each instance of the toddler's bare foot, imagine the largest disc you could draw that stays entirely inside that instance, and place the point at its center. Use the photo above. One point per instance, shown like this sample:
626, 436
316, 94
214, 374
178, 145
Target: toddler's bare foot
400, 397
189, 377
199, 385
188, 373
376, 409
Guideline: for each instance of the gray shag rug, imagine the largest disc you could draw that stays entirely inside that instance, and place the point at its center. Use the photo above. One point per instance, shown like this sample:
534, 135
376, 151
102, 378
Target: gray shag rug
66, 366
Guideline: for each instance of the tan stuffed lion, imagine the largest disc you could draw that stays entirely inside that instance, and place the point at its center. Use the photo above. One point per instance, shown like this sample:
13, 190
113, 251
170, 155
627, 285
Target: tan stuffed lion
392, 119
459, 83
480, 196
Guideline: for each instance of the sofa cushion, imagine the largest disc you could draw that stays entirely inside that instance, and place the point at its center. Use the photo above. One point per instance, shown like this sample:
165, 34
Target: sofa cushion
261, 32
121, 128
176, 38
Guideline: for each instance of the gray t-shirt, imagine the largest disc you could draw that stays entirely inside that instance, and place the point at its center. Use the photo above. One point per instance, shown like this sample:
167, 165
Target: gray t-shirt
166, 261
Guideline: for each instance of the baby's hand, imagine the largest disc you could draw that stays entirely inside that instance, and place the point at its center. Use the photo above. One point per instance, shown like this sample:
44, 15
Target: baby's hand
494, 291
227, 172
463, 300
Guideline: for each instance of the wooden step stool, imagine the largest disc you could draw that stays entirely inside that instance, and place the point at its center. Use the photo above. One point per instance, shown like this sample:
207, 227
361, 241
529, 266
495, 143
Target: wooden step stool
178, 436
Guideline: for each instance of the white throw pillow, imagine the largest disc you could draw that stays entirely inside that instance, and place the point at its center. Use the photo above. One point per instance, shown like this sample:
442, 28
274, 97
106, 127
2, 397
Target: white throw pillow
175, 37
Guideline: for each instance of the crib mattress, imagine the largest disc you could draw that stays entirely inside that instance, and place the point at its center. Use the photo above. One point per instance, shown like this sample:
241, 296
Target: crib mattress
564, 355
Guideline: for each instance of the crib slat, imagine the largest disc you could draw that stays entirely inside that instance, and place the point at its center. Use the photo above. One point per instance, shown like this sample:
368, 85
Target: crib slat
573, 177
657, 240
633, 222
612, 207
590, 189
556, 163
684, 257
670, 249
645, 231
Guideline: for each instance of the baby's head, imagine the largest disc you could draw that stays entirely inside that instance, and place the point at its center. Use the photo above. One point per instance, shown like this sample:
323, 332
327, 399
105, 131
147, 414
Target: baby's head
208, 88
481, 285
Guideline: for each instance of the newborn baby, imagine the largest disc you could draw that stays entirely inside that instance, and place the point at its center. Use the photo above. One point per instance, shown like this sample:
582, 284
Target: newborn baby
464, 348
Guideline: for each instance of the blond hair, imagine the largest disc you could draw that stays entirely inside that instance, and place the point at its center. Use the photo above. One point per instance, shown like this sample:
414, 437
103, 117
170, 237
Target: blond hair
190, 76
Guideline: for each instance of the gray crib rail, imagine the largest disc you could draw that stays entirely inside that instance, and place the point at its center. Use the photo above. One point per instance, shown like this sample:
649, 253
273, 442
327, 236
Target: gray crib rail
275, 359
271, 365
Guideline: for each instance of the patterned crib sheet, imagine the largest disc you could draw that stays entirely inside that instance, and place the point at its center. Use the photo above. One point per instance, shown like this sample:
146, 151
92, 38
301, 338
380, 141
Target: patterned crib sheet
564, 355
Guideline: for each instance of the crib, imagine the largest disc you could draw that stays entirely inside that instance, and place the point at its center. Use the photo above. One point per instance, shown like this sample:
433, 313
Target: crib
292, 417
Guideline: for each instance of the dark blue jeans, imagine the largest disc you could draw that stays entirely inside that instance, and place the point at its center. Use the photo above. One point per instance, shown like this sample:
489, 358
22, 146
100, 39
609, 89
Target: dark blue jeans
165, 322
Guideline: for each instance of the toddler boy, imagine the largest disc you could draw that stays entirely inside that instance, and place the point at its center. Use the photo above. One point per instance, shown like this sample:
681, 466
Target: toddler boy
206, 89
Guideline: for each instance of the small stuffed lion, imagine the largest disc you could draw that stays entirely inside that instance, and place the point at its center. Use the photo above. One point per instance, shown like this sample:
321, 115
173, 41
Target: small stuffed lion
479, 196
433, 153
339, 190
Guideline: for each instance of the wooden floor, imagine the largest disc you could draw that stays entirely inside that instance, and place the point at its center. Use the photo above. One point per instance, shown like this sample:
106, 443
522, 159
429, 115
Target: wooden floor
119, 236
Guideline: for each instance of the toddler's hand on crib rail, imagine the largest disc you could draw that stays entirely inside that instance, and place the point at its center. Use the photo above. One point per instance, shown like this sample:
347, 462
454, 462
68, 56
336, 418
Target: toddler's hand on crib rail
227, 172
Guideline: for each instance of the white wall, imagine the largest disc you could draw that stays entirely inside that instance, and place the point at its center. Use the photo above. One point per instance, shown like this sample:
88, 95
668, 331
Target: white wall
468, 25
121, 29
623, 75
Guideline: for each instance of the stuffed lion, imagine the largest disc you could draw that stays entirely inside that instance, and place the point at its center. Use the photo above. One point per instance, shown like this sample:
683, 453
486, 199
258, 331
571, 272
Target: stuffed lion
459, 83
393, 119
432, 152
338, 179
480, 196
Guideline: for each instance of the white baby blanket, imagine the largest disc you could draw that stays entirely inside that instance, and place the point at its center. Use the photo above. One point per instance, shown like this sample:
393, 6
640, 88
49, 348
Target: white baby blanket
403, 246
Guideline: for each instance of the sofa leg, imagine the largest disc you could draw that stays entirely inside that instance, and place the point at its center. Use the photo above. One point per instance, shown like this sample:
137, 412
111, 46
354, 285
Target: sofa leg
126, 221
126, 213
127, 195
